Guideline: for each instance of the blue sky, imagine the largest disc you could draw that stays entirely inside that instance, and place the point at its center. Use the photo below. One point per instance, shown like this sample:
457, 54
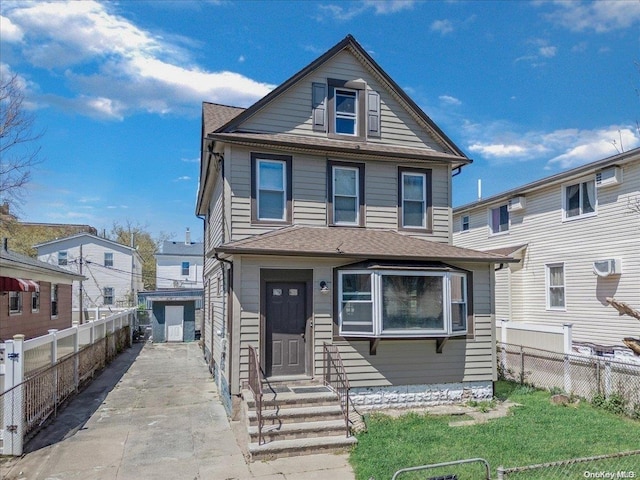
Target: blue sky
525, 89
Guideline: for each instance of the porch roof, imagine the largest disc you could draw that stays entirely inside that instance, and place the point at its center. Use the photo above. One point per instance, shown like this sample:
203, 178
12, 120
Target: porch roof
345, 242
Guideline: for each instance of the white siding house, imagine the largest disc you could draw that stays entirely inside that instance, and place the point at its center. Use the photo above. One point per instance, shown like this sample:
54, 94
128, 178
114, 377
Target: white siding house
180, 264
577, 235
113, 270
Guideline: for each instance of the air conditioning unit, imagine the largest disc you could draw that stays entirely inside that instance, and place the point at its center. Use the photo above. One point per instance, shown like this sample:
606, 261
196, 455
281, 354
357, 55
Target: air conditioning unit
607, 267
609, 176
516, 203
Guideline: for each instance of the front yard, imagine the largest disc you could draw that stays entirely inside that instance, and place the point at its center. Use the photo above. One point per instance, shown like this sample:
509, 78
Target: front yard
535, 432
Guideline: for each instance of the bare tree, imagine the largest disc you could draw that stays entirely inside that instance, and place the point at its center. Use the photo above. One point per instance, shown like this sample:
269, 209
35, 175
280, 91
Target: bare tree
19, 149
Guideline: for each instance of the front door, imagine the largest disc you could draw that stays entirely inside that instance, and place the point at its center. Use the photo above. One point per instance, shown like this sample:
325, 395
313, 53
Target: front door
286, 321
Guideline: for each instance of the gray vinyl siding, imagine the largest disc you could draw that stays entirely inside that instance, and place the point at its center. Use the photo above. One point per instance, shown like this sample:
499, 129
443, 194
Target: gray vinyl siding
309, 192
397, 362
292, 113
613, 233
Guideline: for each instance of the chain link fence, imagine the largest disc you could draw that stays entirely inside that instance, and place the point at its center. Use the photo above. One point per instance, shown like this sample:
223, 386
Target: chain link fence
595, 379
623, 465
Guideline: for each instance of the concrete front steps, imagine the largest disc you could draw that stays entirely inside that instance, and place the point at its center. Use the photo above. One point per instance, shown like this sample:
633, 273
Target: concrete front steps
299, 418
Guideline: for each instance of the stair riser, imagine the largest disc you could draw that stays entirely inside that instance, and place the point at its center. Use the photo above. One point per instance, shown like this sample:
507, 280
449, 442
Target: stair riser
293, 403
275, 435
269, 420
292, 452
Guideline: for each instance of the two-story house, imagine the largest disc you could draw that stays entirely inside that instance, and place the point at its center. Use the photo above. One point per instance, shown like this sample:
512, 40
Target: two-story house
327, 209
35, 297
577, 235
113, 270
180, 264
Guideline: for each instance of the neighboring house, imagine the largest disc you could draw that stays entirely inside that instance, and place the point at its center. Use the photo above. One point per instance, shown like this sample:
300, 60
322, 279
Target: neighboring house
577, 235
328, 221
35, 297
113, 270
180, 264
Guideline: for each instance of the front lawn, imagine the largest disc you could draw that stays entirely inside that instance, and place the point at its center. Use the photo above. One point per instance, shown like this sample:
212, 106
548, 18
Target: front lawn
536, 432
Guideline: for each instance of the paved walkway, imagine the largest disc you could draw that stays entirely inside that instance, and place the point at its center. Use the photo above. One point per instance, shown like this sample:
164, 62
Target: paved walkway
154, 413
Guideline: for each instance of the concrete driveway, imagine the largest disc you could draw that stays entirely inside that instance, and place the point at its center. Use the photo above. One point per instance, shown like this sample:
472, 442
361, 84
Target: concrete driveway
154, 413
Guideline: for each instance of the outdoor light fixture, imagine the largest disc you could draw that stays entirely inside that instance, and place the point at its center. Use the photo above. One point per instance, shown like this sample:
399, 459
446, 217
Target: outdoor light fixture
324, 288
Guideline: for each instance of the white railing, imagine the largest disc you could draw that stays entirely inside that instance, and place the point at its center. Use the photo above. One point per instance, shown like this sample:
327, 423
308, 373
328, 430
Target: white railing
26, 362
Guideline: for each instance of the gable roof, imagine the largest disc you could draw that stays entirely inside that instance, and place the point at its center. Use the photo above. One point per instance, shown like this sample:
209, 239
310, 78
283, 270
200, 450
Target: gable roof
350, 43
345, 242
22, 262
93, 239
215, 115
589, 168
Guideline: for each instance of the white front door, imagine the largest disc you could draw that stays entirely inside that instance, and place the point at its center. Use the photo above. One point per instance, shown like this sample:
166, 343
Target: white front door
174, 320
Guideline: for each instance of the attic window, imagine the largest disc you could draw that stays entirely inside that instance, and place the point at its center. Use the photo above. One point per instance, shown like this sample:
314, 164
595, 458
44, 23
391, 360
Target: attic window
346, 117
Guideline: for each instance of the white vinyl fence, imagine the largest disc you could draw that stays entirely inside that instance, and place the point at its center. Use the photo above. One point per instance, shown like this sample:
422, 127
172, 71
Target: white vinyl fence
38, 374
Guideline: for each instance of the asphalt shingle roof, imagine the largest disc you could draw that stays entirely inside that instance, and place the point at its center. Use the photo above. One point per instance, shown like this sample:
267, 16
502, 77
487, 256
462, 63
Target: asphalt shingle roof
354, 243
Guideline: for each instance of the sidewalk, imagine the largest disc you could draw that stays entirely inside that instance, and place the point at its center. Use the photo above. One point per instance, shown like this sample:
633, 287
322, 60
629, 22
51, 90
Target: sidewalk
154, 413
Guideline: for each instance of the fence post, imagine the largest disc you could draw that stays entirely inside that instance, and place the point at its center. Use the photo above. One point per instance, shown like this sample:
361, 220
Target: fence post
76, 357
521, 365
607, 379
13, 408
567, 374
500, 472
54, 371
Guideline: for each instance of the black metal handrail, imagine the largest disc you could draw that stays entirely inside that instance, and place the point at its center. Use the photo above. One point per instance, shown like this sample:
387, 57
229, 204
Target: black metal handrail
335, 377
255, 384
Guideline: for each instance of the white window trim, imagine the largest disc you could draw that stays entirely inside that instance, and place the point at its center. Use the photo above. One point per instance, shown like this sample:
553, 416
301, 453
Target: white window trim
55, 299
105, 259
65, 253
563, 193
182, 269
547, 281
357, 197
376, 299
424, 199
353, 116
113, 296
462, 229
35, 295
490, 221
259, 162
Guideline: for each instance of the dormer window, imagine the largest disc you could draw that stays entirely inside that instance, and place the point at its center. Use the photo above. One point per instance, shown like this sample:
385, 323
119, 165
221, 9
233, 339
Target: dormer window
346, 112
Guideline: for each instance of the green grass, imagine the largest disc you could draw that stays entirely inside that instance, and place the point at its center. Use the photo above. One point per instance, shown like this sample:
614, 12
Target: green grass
536, 432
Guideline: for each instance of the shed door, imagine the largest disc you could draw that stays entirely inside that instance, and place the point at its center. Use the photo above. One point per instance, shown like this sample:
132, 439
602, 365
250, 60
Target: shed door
286, 322
174, 320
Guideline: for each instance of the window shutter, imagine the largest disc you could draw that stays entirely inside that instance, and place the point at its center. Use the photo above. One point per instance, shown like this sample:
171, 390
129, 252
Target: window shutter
373, 114
319, 107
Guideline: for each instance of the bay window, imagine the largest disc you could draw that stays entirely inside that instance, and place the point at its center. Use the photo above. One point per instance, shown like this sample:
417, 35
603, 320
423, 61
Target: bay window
394, 303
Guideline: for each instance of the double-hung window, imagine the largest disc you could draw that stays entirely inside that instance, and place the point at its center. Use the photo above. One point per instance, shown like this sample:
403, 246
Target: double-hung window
580, 199
555, 287
394, 303
35, 301
465, 223
108, 259
185, 268
107, 295
414, 198
499, 219
62, 258
271, 188
346, 111
346, 193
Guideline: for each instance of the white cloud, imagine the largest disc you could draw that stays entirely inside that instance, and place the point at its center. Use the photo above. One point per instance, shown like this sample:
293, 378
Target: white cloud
183, 178
449, 100
241, 59
114, 68
547, 51
10, 31
500, 143
583, 146
441, 26
380, 7
600, 16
